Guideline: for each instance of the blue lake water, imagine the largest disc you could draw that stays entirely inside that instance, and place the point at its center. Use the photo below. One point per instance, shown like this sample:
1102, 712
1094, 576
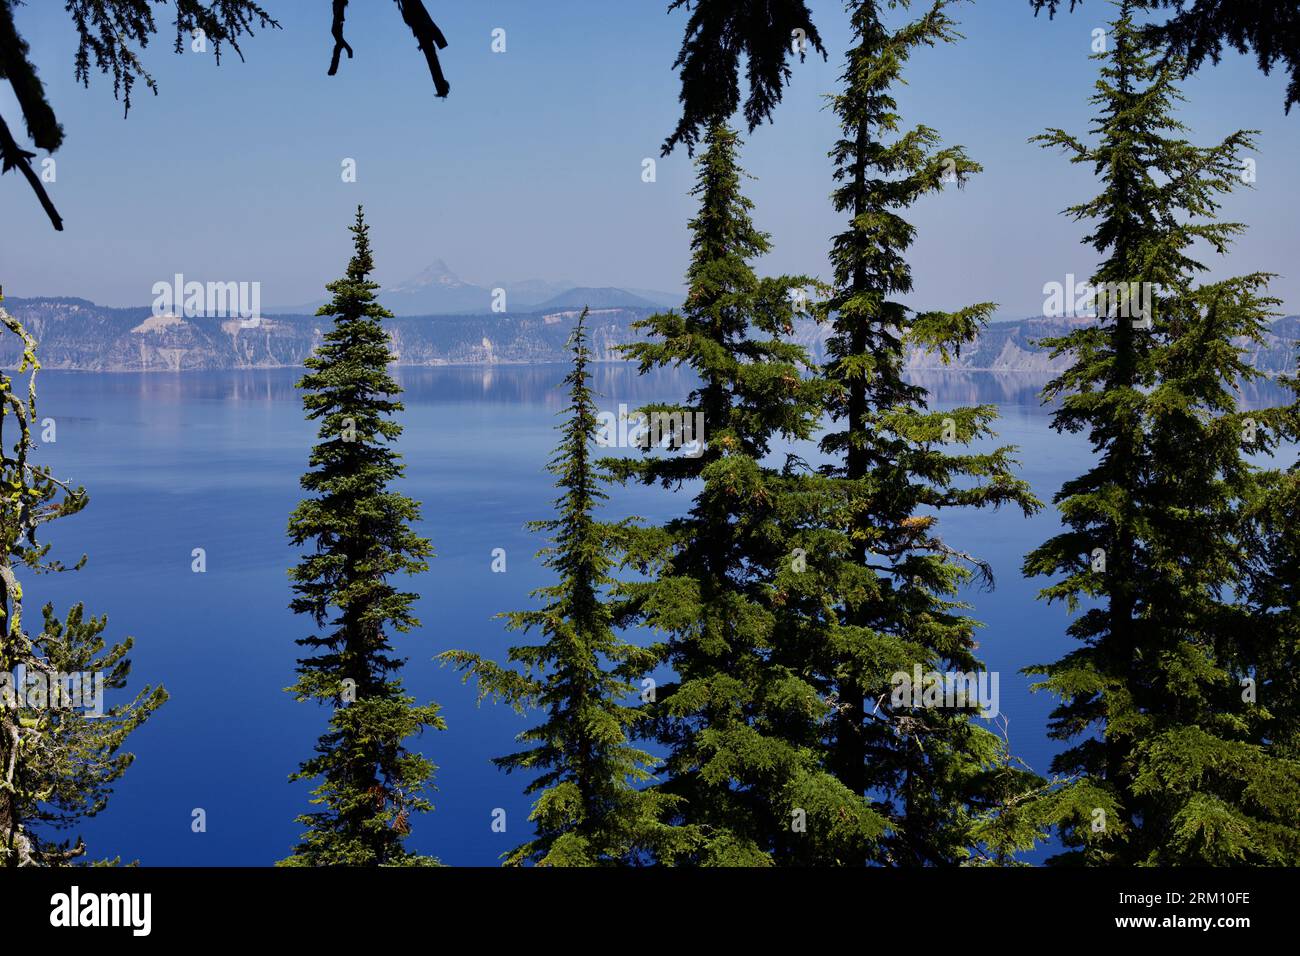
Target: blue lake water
212, 461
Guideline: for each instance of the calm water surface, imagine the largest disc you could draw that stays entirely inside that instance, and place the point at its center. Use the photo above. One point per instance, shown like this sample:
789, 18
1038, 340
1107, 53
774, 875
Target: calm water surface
212, 461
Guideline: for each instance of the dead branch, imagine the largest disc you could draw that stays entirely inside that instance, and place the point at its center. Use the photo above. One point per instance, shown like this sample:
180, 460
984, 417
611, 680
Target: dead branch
429, 38
340, 44
12, 156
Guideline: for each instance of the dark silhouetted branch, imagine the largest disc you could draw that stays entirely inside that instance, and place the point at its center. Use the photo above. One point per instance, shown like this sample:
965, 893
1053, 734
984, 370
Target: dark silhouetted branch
1198, 30
429, 38
13, 156
340, 44
16, 67
766, 32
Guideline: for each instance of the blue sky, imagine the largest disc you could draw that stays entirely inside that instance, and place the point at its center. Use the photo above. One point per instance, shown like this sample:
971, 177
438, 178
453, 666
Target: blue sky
532, 168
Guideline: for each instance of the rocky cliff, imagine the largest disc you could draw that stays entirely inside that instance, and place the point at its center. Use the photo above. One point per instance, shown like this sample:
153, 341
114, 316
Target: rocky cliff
77, 334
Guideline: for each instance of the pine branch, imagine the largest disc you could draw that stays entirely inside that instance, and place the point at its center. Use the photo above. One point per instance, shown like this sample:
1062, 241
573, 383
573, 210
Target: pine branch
16, 67
717, 34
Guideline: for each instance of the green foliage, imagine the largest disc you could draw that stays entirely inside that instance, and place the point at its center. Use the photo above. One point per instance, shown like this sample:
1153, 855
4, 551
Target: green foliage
360, 530
1272, 546
58, 760
742, 726
879, 593
1156, 557
591, 807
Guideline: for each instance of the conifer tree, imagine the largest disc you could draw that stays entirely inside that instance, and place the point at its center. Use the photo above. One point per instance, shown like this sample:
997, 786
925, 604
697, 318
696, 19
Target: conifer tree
360, 530
879, 595
60, 747
590, 810
740, 724
1171, 762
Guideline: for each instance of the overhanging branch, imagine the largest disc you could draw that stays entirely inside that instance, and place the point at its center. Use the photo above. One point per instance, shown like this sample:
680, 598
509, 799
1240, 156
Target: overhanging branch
427, 36
13, 156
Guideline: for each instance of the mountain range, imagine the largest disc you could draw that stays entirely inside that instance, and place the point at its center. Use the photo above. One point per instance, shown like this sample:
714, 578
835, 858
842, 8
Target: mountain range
78, 334
439, 291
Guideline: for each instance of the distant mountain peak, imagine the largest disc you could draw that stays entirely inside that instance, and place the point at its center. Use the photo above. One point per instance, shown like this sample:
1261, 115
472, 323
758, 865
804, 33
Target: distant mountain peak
596, 298
436, 273
437, 290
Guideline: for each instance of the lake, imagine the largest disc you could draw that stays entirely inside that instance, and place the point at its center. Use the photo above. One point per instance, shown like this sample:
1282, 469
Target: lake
212, 461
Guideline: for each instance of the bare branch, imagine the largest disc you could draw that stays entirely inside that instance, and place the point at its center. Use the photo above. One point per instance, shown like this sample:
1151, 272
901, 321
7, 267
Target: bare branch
340, 44
13, 156
429, 38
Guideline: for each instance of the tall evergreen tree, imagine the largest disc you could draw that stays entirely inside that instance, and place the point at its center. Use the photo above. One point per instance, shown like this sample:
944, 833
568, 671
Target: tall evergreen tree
740, 724
1170, 765
880, 592
58, 758
360, 530
590, 810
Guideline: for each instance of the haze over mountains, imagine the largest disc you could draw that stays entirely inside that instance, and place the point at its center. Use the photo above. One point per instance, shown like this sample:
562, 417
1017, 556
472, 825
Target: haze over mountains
439, 291
78, 334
